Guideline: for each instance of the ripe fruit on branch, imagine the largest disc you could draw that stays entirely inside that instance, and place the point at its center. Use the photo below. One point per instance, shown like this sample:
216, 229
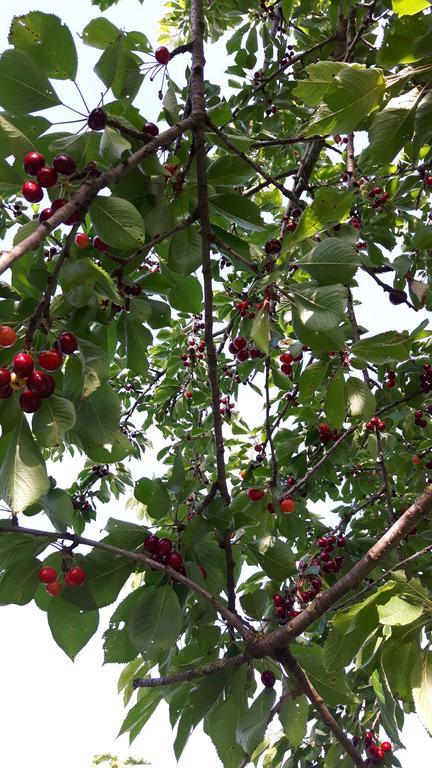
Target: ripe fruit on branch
97, 119
32, 192
171, 168
30, 402
287, 506
47, 575
50, 359
82, 240
397, 297
267, 678
33, 162
5, 377
23, 364
45, 214
150, 543
416, 459
41, 383
151, 128
64, 164
163, 547
162, 55
273, 246
54, 589
58, 203
8, 336
47, 177
75, 577
386, 746
255, 494
68, 342
286, 358
175, 560
100, 245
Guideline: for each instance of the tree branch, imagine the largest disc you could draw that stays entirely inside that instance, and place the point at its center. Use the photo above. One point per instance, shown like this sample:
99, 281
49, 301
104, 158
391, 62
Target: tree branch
212, 668
295, 671
88, 191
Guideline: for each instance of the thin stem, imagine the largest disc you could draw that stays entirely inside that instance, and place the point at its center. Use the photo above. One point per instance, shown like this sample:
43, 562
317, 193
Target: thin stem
385, 479
269, 438
81, 95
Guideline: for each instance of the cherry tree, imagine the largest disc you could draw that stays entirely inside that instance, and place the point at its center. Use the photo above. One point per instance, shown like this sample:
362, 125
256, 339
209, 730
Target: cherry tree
158, 270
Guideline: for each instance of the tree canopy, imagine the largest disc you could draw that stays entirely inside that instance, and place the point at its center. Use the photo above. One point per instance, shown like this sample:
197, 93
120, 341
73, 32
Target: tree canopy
156, 272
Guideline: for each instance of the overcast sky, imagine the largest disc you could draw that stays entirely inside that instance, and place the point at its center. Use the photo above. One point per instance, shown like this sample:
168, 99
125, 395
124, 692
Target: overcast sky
56, 713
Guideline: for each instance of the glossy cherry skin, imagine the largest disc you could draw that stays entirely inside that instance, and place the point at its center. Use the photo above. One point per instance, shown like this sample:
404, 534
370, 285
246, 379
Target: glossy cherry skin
174, 560
151, 543
163, 547
267, 678
50, 359
41, 383
64, 164
45, 214
47, 177
151, 128
68, 342
32, 192
97, 119
287, 506
82, 240
386, 746
58, 203
75, 577
5, 377
30, 402
33, 162
255, 494
8, 336
100, 245
54, 588
23, 364
47, 575
162, 55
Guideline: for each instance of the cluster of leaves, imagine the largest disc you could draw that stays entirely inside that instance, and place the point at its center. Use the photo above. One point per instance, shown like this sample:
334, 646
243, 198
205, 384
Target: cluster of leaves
138, 313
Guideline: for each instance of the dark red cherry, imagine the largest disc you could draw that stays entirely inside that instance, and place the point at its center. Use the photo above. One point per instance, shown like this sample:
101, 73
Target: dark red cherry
32, 192
47, 575
47, 177
151, 128
33, 162
6, 392
23, 365
50, 359
58, 203
163, 547
5, 377
68, 342
267, 678
100, 245
41, 383
162, 55
64, 164
150, 543
397, 297
174, 560
45, 214
97, 119
29, 401
75, 577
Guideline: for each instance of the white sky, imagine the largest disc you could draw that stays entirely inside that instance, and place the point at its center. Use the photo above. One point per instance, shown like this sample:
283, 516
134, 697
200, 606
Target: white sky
55, 712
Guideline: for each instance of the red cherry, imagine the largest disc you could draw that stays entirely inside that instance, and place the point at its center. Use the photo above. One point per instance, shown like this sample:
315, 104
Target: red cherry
45, 214
54, 588
379, 755
239, 343
82, 240
278, 600
97, 119
286, 369
174, 560
150, 543
32, 192
397, 297
58, 203
151, 128
189, 394
68, 342
273, 246
41, 383
163, 546
428, 182
341, 541
255, 494
287, 506
100, 245
386, 745
416, 459
6, 392
5, 377
47, 177
286, 358
267, 678
23, 365
368, 737
47, 575
50, 359
75, 577
33, 162
270, 508
254, 352
8, 336
29, 401
64, 164
243, 355
162, 55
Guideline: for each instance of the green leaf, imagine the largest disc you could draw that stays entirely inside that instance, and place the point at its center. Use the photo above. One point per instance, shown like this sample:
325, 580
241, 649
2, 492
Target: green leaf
187, 295
119, 69
328, 208
409, 7
398, 660
18, 585
15, 547
382, 348
70, 626
96, 367
25, 87
47, 42
17, 142
356, 92
391, 129
97, 417
106, 574
140, 714
422, 688
138, 339
320, 78
99, 33
238, 209
117, 222
398, 612
277, 561
387, 705
220, 724
58, 506
253, 723
113, 145
230, 171
86, 272
154, 495
312, 378
332, 686
118, 648
336, 400
320, 308
53, 420
260, 330
155, 624
331, 261
23, 476
185, 251
294, 718
361, 401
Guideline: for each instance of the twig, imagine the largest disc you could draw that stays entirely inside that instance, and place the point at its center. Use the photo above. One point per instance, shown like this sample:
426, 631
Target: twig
136, 258
258, 187
231, 252
212, 668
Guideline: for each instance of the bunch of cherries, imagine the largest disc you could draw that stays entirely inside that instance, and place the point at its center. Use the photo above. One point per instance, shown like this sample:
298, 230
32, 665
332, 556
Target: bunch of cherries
375, 752
36, 384
244, 308
73, 577
326, 544
47, 176
195, 352
426, 378
375, 424
240, 348
161, 550
327, 435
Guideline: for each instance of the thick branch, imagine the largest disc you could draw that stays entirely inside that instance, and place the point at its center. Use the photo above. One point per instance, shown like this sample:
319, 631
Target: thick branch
295, 671
212, 668
88, 191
